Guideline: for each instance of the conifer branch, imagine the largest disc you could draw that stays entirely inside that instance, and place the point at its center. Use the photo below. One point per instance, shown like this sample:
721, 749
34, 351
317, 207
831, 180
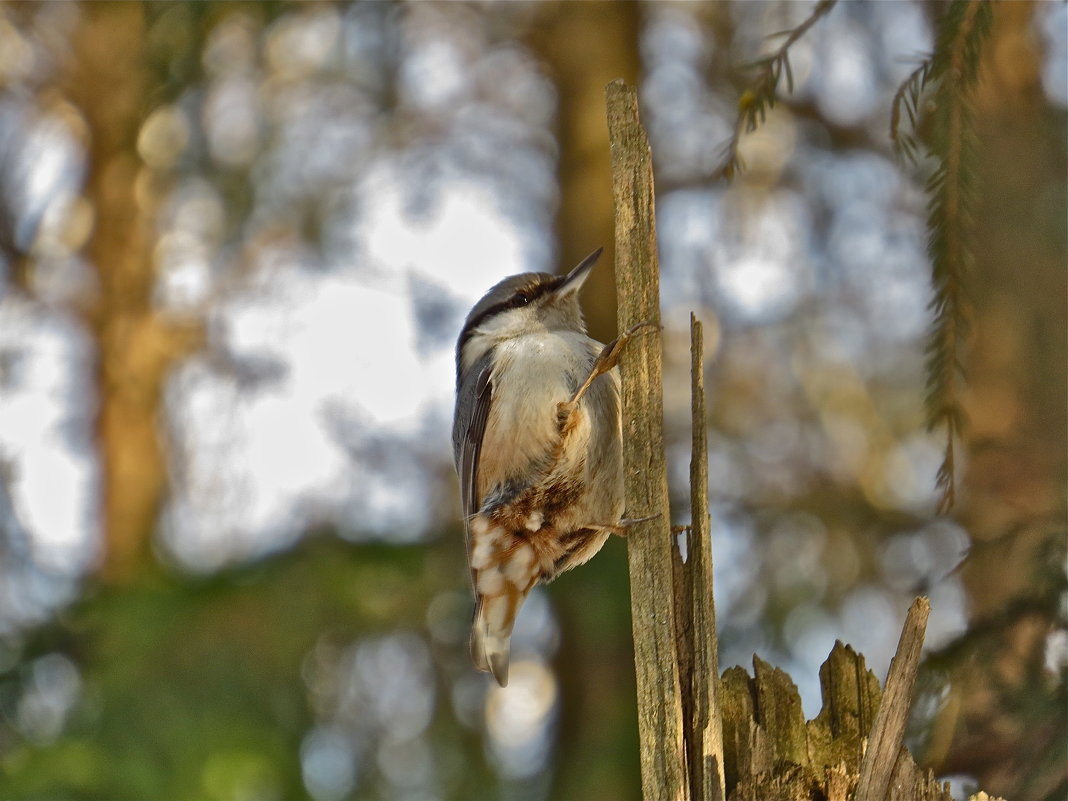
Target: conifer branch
949, 75
755, 101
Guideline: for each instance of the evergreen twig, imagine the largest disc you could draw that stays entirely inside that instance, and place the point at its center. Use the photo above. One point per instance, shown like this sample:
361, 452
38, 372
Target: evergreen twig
760, 96
949, 75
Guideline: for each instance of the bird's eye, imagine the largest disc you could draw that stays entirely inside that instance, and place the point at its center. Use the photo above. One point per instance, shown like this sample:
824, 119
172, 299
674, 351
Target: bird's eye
521, 299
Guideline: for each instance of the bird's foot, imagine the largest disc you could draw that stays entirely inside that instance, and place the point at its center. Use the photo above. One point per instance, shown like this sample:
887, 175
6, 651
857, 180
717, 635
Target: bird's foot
623, 527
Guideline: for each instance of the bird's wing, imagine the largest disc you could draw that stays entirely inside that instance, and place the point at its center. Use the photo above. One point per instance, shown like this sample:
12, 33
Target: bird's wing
473, 400
472, 411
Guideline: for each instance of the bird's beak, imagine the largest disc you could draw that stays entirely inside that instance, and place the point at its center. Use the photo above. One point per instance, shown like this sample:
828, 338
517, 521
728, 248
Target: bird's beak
574, 280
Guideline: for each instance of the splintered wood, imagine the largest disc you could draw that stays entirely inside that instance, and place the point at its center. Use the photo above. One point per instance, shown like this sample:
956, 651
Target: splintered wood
772, 752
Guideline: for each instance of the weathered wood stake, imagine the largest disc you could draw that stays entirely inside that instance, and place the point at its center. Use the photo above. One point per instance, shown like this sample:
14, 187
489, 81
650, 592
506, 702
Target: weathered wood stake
704, 728
649, 544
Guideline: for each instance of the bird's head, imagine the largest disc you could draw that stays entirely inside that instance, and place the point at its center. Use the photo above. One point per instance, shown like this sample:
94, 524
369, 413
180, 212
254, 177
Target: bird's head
524, 304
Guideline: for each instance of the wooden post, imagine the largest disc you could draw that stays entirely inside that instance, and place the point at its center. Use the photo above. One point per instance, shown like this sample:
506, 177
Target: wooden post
649, 544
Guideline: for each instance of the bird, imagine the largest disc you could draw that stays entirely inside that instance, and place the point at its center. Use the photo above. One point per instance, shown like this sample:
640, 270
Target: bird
537, 442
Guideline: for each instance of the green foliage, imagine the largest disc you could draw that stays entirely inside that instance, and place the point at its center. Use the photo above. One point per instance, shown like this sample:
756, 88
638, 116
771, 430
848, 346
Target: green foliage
196, 688
200, 688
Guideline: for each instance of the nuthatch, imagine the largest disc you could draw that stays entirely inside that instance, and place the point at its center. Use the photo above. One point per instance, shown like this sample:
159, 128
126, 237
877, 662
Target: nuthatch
537, 442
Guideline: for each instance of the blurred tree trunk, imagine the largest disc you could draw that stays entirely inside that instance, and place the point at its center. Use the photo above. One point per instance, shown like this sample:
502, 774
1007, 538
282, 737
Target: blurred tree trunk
584, 46
108, 81
1003, 722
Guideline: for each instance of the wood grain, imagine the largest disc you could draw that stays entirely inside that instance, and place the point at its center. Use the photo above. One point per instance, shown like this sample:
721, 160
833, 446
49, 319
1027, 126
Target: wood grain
649, 544
888, 732
705, 725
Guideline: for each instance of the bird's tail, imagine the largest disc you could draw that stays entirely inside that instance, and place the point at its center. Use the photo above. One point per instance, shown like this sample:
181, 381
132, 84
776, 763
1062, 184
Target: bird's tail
490, 650
500, 587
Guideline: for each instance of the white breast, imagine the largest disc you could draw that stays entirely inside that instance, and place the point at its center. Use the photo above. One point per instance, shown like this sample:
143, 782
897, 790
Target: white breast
532, 375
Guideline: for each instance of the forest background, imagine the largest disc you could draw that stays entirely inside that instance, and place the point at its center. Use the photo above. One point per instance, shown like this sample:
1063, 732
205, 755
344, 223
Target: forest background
237, 241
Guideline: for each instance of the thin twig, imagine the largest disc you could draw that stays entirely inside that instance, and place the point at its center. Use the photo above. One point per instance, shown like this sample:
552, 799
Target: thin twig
760, 96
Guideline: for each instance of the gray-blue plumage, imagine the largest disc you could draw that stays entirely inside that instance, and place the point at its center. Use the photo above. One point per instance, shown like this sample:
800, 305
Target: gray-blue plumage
539, 459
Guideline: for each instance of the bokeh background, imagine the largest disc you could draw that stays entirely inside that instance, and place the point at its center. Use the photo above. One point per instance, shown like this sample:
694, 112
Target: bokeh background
237, 241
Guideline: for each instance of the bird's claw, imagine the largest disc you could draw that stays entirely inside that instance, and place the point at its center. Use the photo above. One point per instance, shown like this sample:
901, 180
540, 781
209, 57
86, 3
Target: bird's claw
608, 358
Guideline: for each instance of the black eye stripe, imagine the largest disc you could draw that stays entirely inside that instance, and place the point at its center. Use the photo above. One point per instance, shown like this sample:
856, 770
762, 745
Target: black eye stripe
521, 298
529, 292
